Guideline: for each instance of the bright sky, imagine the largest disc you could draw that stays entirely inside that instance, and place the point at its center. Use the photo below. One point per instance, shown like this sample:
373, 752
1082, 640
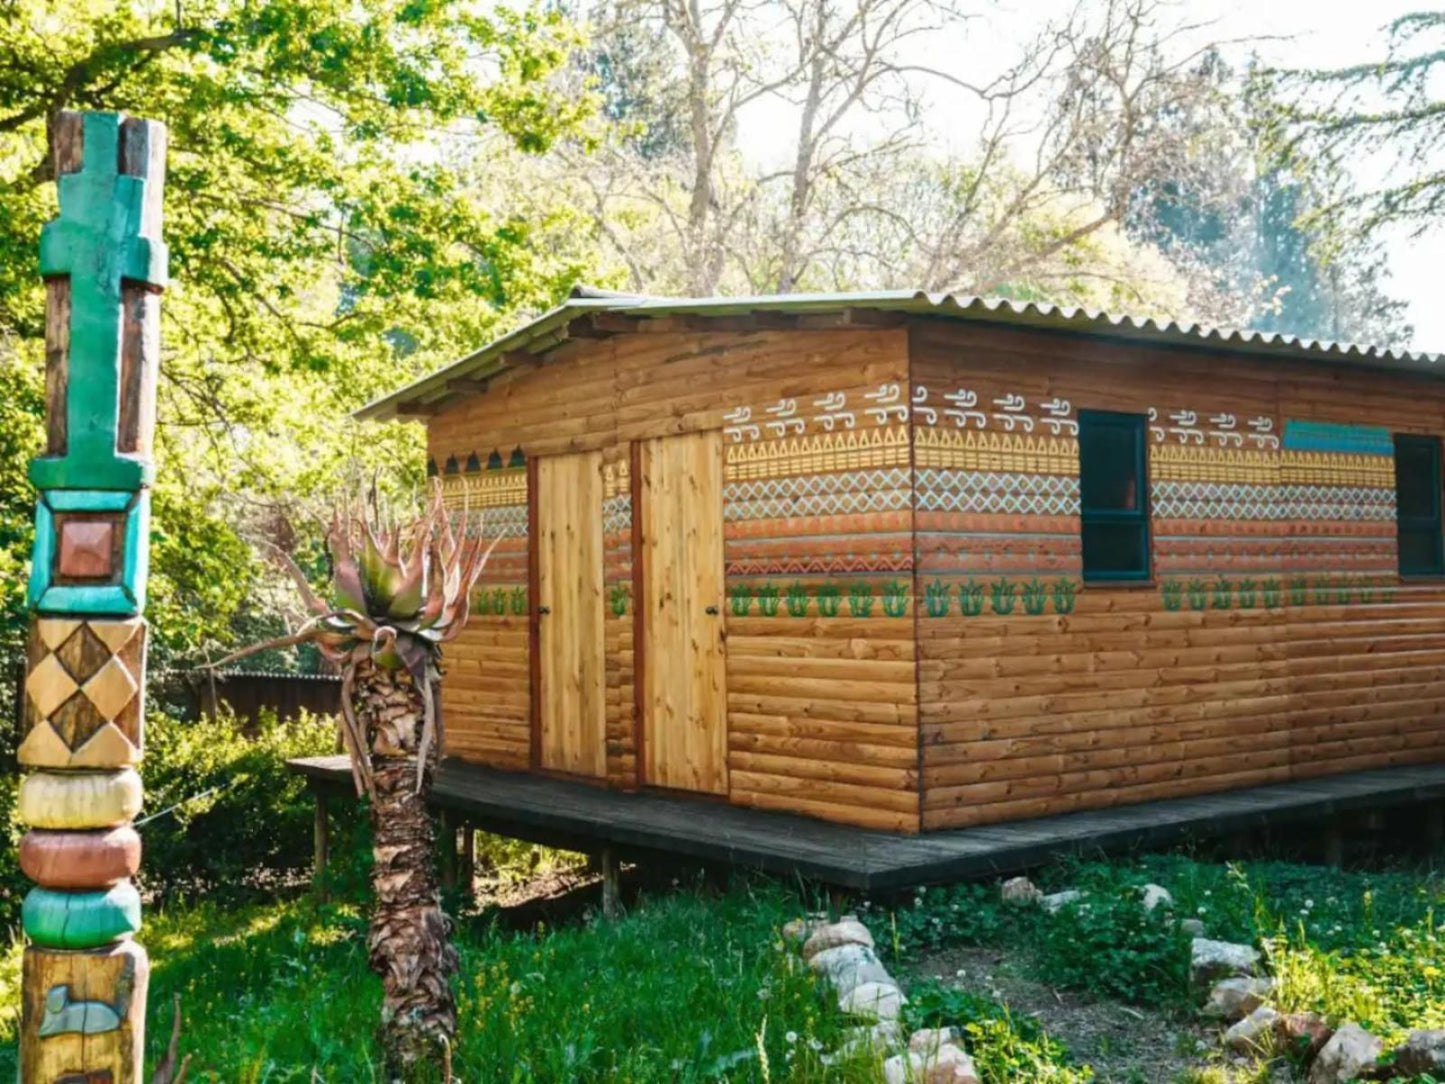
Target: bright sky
1294, 33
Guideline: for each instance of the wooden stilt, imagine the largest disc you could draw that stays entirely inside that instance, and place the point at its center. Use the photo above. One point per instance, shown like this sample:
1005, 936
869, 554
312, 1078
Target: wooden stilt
448, 835
611, 884
83, 995
323, 846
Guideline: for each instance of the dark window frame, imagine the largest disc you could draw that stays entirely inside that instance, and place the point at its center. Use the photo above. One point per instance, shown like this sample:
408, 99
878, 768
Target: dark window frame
1138, 517
1432, 523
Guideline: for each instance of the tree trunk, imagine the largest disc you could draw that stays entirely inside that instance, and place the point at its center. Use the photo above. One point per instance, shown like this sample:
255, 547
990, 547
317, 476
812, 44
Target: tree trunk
410, 941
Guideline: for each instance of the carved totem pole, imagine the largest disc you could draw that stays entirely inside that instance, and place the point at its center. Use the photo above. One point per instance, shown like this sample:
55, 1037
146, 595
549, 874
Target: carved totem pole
84, 994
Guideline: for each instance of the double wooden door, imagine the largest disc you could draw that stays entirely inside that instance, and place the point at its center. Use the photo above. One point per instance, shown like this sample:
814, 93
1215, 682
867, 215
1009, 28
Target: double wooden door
679, 631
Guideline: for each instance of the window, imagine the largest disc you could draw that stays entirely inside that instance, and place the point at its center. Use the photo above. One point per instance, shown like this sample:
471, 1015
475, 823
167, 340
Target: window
1113, 496
1417, 505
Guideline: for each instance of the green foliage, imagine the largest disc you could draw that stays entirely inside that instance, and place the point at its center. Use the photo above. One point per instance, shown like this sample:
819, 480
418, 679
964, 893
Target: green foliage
238, 814
331, 235
1005, 1048
1108, 945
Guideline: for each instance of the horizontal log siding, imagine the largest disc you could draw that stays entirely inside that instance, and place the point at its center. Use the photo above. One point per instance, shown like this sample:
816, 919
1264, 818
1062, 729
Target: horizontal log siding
1117, 697
821, 709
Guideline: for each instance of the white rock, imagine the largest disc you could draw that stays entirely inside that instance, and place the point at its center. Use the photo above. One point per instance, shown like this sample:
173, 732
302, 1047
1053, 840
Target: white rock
1057, 901
950, 1064
1211, 960
1237, 997
1020, 890
903, 1069
848, 966
1421, 1054
874, 1000
799, 930
1254, 1033
1192, 926
1157, 896
1349, 1053
886, 1035
846, 931
929, 1040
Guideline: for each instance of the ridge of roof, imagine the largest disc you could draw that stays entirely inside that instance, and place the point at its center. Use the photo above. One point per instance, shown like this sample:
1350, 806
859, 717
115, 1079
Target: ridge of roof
540, 333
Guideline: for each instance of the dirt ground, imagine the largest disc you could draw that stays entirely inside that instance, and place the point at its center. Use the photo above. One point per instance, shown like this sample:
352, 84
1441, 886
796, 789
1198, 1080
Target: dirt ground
1123, 1043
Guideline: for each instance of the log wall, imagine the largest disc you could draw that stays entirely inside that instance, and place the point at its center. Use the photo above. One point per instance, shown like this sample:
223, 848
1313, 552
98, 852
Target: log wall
818, 518
1275, 640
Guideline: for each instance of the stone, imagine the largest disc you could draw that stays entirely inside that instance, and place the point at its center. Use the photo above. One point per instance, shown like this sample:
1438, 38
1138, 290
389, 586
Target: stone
1421, 1054
928, 1040
1234, 998
1057, 901
798, 930
1304, 1033
1210, 961
1192, 926
846, 931
1350, 1053
903, 1068
949, 1064
1156, 896
1020, 890
848, 966
874, 1000
1254, 1034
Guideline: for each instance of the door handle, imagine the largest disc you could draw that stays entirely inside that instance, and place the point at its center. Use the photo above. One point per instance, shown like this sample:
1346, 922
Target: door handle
543, 611
711, 611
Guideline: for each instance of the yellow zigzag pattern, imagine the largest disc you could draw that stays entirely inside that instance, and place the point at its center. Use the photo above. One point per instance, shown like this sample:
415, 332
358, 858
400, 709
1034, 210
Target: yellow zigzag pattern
819, 453
968, 449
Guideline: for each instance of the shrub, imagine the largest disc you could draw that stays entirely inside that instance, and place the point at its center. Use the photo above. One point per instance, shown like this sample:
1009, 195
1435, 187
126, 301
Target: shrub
227, 813
1109, 945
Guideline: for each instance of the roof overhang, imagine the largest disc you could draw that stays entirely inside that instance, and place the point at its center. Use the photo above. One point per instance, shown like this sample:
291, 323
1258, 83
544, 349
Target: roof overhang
481, 369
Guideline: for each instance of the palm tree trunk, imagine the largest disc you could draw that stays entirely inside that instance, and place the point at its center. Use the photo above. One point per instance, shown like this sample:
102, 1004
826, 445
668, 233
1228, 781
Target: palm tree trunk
410, 940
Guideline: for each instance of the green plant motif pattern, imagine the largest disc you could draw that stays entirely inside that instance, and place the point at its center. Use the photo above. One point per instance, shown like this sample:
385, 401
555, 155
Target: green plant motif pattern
936, 598
895, 598
1172, 594
1223, 593
768, 599
518, 598
830, 598
860, 598
797, 599
970, 598
1001, 596
740, 598
1197, 591
1065, 595
1248, 593
617, 596
1035, 596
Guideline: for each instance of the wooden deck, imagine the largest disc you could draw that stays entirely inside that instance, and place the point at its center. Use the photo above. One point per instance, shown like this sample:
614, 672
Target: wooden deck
560, 813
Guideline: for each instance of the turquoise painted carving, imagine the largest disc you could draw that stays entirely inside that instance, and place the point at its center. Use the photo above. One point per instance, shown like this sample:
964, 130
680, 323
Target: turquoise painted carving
80, 920
97, 242
1340, 439
63, 1016
122, 598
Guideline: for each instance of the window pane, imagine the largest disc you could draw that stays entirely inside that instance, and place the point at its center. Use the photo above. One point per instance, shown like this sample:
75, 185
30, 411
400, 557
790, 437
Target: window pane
1416, 476
1420, 551
1108, 465
1114, 549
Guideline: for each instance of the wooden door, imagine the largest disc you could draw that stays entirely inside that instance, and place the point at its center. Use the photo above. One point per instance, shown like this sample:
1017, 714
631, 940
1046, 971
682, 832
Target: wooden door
572, 715
684, 696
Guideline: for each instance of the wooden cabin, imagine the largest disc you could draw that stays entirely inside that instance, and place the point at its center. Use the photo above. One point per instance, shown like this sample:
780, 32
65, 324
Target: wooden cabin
914, 562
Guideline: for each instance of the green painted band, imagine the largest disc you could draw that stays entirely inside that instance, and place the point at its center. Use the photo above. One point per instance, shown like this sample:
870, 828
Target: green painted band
80, 920
89, 500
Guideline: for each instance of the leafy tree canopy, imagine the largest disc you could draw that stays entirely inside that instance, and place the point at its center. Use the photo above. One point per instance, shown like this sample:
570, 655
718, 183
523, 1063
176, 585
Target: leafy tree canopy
326, 241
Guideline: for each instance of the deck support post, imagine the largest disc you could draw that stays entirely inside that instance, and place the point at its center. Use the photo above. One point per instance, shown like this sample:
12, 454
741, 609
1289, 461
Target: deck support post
1334, 844
1435, 825
611, 884
448, 835
322, 833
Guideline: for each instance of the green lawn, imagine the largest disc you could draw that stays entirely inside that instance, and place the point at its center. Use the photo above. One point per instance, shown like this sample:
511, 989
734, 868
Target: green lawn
694, 985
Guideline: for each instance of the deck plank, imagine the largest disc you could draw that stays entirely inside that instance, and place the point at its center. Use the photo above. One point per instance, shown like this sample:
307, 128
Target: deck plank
562, 812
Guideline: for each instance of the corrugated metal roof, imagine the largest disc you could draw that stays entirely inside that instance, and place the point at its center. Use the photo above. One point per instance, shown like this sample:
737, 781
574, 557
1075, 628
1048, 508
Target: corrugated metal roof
547, 331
